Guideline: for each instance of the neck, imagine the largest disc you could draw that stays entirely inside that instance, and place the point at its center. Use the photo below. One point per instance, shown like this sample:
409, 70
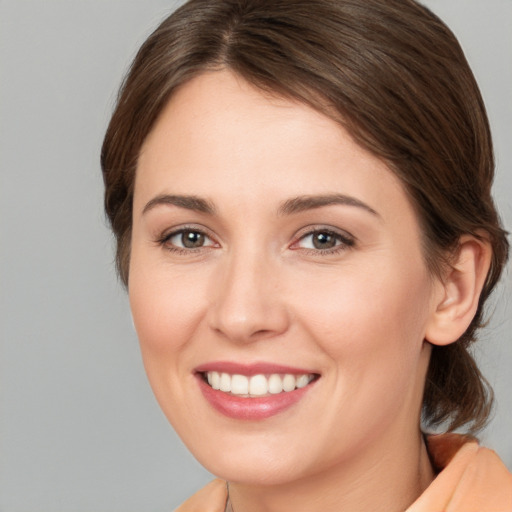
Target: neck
389, 481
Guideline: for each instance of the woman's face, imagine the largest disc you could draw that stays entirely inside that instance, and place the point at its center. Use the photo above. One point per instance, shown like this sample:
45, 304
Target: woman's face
269, 250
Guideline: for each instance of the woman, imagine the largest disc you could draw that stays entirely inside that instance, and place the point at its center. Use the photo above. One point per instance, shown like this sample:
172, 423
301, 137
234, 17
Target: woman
300, 192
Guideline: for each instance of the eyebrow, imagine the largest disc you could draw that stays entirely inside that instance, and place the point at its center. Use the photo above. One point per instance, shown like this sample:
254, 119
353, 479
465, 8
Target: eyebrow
289, 207
194, 203
303, 203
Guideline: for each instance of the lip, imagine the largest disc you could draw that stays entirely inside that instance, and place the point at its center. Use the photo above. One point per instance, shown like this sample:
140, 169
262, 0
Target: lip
250, 408
250, 369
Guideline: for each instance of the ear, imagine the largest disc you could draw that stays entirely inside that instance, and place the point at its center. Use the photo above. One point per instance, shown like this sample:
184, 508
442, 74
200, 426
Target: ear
456, 299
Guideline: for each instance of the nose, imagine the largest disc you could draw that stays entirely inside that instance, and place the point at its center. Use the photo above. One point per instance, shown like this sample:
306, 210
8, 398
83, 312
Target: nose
248, 302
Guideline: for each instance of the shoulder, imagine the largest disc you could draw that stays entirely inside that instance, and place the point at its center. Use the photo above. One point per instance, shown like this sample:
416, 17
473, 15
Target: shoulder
211, 498
472, 478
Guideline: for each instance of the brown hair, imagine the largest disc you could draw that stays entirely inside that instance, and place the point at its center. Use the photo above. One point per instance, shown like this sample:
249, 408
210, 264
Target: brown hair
389, 71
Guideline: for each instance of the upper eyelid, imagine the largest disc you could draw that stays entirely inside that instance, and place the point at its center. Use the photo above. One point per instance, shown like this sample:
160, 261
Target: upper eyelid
299, 235
164, 240
170, 232
309, 230
345, 241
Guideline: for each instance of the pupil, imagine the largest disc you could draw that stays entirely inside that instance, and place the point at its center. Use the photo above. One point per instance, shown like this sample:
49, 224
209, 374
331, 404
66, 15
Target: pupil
323, 241
192, 239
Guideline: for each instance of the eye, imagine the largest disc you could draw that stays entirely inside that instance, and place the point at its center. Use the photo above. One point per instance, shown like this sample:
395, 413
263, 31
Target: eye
324, 240
186, 239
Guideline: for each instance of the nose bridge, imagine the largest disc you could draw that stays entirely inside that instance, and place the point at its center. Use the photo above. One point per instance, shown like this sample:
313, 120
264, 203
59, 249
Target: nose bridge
248, 303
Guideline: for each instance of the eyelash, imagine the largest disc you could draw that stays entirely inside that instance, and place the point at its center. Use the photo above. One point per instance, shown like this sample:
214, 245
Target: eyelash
165, 238
343, 241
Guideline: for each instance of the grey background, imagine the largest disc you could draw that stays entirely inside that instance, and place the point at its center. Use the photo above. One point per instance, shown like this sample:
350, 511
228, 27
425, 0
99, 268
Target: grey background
79, 427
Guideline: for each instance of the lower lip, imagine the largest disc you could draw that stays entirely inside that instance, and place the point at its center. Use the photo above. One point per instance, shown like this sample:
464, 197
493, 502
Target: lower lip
258, 408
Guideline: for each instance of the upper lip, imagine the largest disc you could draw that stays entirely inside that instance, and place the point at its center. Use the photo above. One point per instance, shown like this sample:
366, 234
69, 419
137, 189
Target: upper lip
250, 369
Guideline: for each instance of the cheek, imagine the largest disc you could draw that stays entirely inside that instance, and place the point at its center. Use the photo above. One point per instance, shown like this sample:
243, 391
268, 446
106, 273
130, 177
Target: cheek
167, 314
166, 310
371, 328
371, 318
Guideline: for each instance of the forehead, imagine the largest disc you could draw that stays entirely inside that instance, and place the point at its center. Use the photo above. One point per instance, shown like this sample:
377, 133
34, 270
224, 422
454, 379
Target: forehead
219, 109
220, 137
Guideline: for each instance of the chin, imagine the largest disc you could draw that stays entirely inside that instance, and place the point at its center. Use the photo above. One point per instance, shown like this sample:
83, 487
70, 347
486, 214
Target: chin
254, 471
255, 458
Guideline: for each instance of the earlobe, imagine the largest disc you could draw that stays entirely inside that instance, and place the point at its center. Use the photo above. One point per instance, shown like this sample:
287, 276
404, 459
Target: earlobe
458, 293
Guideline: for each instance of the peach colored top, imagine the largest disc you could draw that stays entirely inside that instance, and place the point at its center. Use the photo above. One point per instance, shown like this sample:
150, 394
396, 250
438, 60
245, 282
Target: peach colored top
471, 479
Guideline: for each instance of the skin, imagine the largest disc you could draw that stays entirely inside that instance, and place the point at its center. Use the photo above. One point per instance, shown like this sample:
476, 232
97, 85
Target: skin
258, 290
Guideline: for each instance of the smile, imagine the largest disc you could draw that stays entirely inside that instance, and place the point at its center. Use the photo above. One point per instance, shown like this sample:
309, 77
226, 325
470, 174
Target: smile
257, 385
255, 391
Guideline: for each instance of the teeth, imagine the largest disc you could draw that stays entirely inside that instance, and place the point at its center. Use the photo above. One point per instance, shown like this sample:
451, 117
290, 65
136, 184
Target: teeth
239, 384
215, 380
275, 384
257, 385
225, 382
289, 382
302, 381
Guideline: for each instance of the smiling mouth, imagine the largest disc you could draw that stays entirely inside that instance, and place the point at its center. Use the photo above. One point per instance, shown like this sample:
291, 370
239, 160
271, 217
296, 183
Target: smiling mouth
260, 385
